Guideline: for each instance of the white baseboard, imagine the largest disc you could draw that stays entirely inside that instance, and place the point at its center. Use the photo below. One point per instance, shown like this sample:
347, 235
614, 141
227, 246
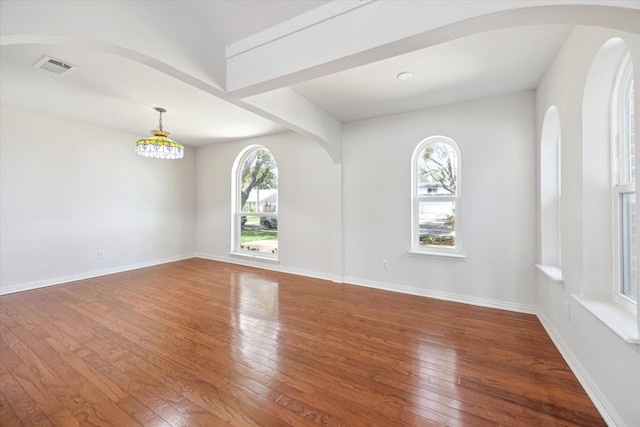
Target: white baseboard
464, 299
270, 265
483, 302
599, 400
4, 290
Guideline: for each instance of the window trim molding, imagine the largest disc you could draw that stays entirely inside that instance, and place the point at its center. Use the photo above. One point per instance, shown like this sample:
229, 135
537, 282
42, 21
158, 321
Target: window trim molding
619, 320
453, 256
552, 272
431, 251
619, 184
237, 213
256, 256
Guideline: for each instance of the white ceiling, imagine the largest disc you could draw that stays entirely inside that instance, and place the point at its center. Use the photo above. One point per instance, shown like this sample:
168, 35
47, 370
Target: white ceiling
114, 92
487, 64
119, 91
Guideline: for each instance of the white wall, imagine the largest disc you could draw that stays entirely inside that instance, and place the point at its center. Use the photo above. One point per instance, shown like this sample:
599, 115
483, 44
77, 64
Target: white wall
498, 213
498, 206
608, 367
497, 210
309, 230
69, 190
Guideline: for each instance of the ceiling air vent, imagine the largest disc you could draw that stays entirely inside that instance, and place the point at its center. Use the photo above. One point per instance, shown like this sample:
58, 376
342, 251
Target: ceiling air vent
54, 65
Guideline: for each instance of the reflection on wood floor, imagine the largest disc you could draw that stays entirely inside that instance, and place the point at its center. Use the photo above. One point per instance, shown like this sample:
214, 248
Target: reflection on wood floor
203, 343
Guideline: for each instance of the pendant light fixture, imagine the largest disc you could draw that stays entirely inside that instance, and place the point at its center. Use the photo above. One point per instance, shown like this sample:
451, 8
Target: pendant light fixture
159, 146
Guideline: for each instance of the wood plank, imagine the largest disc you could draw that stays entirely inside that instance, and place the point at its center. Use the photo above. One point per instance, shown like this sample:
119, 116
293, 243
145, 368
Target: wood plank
203, 343
17, 407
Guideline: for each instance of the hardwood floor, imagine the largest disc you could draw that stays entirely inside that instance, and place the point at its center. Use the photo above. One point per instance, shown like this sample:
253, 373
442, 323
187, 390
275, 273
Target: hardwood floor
202, 343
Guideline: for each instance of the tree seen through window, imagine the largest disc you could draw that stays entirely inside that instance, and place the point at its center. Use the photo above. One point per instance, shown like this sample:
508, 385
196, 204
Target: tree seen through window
256, 218
436, 195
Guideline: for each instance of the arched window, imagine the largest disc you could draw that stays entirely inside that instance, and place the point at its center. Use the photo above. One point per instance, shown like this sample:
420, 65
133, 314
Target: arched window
550, 146
609, 250
436, 197
255, 204
624, 183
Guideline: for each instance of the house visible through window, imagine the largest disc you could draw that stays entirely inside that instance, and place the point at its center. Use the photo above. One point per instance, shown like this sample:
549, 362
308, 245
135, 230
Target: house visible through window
255, 215
436, 192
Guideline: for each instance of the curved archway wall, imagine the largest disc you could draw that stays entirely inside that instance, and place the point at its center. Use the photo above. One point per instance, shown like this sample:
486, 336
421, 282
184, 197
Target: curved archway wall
254, 73
606, 364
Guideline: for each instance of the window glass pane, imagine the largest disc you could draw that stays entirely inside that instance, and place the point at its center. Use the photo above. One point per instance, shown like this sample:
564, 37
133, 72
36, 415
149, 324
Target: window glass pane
436, 224
257, 203
437, 170
261, 200
259, 233
630, 135
259, 187
629, 246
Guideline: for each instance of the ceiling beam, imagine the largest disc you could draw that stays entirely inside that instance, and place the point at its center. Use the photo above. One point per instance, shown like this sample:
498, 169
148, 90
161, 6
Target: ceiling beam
286, 107
376, 30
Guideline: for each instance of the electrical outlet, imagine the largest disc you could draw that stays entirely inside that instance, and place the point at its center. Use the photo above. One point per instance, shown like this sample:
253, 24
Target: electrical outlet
385, 264
567, 311
100, 255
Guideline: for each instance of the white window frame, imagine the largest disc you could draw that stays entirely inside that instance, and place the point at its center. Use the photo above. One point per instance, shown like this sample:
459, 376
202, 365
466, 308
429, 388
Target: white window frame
237, 213
416, 248
620, 170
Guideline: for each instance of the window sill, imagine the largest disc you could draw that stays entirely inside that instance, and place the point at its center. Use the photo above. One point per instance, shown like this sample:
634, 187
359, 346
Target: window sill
453, 256
554, 273
256, 256
619, 320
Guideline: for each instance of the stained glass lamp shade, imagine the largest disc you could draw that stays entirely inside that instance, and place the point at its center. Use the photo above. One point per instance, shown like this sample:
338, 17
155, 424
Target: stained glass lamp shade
159, 146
